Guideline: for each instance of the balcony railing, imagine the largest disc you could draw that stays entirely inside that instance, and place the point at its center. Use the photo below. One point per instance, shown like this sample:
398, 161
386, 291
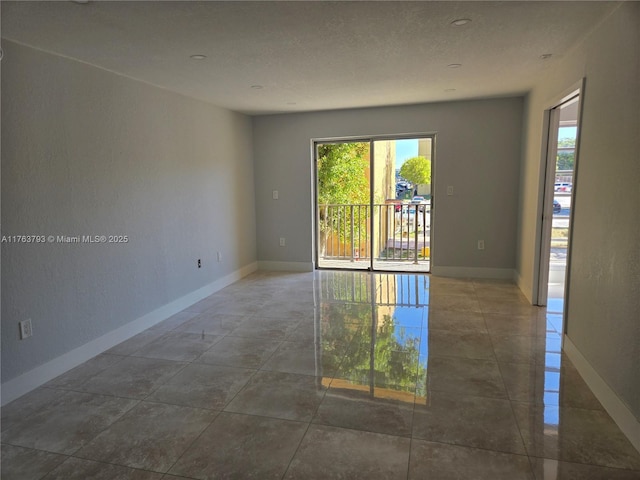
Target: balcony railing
388, 232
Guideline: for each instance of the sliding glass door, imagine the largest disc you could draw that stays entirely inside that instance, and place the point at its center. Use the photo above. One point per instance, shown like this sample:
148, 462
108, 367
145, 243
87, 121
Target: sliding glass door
374, 204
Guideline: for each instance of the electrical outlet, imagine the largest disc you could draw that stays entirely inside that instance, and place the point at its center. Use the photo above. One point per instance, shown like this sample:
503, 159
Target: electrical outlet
450, 190
276, 195
25, 329
219, 257
480, 244
282, 242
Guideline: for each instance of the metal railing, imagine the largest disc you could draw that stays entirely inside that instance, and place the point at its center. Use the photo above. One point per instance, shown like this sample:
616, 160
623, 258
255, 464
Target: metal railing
401, 232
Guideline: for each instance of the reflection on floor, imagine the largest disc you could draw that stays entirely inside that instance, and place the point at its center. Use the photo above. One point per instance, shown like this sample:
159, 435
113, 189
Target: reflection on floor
326, 375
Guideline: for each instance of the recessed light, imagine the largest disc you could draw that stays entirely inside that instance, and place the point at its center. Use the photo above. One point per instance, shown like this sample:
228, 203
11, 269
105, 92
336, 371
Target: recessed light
454, 65
257, 87
460, 21
546, 56
198, 56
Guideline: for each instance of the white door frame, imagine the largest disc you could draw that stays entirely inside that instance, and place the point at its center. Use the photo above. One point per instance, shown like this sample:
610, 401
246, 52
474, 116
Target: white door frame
547, 204
546, 195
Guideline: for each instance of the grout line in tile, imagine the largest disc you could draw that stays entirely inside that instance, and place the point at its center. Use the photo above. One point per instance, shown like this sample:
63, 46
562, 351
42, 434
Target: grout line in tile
102, 462
305, 432
193, 442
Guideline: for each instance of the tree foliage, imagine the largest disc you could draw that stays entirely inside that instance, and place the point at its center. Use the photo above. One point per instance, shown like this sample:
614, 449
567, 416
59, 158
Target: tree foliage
342, 180
342, 177
565, 161
567, 142
416, 170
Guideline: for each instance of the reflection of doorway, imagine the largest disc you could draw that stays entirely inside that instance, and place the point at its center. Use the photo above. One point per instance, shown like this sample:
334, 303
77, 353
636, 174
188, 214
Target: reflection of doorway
558, 205
383, 317
368, 216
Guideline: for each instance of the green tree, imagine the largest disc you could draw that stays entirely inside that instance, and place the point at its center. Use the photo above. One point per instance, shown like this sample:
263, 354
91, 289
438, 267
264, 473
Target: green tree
416, 170
567, 142
565, 160
342, 177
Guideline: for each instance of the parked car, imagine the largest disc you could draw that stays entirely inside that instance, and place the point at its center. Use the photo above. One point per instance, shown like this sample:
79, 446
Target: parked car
419, 200
398, 206
407, 215
556, 206
562, 187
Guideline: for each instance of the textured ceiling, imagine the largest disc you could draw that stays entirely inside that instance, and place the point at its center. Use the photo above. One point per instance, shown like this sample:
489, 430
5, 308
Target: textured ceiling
312, 55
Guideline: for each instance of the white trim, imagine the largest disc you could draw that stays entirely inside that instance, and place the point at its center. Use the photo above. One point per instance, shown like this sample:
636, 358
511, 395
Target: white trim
551, 103
285, 266
621, 414
32, 379
523, 286
474, 272
548, 175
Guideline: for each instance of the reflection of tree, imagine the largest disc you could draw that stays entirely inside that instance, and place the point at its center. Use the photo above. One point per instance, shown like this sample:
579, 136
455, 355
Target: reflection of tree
384, 356
381, 354
339, 323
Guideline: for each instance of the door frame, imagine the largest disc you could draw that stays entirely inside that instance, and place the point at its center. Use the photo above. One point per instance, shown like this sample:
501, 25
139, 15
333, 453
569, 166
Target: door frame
543, 238
371, 139
547, 204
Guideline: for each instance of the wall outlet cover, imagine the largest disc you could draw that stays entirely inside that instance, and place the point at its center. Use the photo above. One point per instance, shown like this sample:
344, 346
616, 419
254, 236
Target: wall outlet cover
25, 329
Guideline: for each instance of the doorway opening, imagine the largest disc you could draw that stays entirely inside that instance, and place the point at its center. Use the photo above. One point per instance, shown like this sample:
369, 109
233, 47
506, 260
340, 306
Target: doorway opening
373, 203
560, 186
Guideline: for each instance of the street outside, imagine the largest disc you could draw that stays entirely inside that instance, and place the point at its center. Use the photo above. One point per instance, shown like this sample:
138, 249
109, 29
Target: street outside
560, 221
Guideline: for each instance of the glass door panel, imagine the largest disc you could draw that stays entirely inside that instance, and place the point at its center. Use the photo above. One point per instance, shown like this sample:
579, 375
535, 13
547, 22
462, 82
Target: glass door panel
343, 215
373, 204
401, 187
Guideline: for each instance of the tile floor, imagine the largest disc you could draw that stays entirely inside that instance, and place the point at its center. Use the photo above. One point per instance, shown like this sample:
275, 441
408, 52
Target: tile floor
326, 375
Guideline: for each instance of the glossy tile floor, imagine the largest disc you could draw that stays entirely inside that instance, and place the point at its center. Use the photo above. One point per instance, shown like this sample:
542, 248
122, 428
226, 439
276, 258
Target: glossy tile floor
325, 375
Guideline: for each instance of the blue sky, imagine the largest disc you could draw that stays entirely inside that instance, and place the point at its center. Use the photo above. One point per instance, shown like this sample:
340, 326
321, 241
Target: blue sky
405, 149
567, 132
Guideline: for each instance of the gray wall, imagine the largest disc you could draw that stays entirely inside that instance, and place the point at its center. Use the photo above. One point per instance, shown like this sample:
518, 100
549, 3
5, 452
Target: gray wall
478, 151
88, 152
603, 319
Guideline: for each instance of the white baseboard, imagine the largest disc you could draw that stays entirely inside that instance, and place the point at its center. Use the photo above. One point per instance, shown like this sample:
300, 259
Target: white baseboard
473, 272
615, 407
285, 266
524, 287
40, 375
